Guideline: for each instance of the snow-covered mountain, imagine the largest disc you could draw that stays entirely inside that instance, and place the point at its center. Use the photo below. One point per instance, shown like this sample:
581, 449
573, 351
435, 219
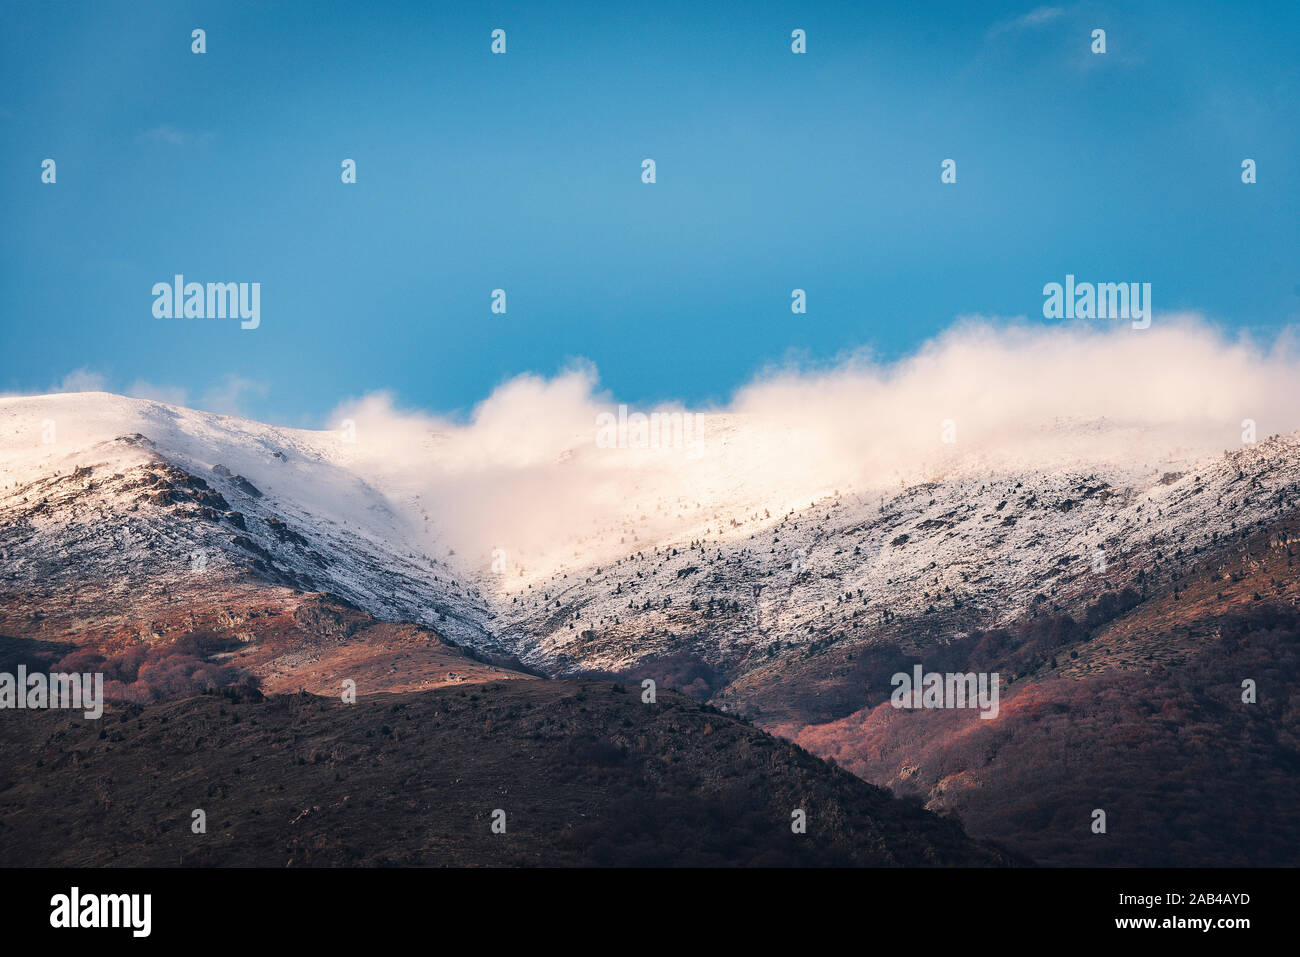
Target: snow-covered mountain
177, 551
975, 547
117, 513
115, 510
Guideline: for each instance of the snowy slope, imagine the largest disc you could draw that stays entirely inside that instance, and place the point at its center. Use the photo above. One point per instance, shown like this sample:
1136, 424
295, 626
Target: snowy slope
90, 497
971, 548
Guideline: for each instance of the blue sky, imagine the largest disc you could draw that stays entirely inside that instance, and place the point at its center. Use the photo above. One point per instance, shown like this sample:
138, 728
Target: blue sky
523, 171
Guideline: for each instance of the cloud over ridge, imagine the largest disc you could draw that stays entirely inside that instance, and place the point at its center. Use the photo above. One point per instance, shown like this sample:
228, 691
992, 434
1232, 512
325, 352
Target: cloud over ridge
526, 470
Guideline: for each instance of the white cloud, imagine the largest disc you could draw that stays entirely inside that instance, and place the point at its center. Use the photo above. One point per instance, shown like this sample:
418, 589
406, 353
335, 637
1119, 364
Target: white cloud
169, 394
228, 397
1037, 17
81, 380
525, 472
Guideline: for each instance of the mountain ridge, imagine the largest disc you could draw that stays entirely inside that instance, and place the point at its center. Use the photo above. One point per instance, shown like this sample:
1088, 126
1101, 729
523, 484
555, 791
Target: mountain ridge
1080, 584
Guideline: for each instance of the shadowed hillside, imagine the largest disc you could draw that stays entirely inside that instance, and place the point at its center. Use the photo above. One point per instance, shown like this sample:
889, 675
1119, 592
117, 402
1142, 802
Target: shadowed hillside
585, 772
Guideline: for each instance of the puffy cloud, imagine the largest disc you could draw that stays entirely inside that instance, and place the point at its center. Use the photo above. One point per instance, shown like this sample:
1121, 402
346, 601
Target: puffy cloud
228, 397
170, 394
526, 471
81, 380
